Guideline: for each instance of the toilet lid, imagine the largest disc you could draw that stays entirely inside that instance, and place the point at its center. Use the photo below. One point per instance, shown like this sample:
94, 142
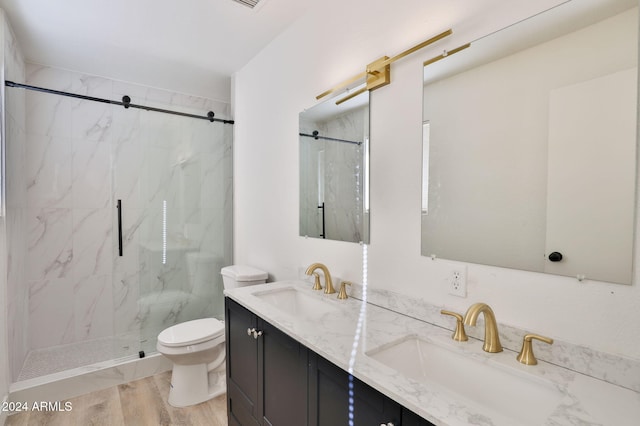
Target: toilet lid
191, 332
243, 273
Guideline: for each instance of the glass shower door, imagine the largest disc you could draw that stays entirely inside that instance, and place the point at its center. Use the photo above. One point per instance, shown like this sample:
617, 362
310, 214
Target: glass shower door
172, 178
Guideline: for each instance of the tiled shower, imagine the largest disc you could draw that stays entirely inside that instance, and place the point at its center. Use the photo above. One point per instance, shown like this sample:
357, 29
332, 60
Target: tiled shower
73, 300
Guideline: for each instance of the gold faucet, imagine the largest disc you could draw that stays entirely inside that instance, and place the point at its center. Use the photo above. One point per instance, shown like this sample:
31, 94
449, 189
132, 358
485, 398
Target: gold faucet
459, 334
316, 281
526, 353
328, 285
343, 290
491, 337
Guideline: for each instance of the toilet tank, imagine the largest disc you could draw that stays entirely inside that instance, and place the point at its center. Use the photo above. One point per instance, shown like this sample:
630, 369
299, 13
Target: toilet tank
242, 275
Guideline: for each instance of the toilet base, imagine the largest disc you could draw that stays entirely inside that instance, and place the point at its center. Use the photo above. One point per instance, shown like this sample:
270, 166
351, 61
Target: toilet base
192, 384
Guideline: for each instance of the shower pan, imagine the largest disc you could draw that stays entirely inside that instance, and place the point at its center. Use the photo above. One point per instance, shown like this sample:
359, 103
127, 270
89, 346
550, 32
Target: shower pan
126, 218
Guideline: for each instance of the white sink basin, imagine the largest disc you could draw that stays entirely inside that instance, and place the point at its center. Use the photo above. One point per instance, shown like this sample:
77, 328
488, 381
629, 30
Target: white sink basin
519, 397
296, 303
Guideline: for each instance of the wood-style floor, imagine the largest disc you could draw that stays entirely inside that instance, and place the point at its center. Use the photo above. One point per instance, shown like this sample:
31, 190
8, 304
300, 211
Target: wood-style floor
139, 403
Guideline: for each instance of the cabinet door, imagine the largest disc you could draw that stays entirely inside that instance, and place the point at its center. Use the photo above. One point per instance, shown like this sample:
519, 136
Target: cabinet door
331, 403
283, 376
242, 365
409, 418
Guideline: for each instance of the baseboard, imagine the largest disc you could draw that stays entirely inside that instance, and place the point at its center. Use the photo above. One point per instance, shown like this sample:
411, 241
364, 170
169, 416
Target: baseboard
79, 381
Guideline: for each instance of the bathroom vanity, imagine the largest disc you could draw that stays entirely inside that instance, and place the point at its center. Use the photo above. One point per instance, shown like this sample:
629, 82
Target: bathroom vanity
296, 356
264, 362
272, 376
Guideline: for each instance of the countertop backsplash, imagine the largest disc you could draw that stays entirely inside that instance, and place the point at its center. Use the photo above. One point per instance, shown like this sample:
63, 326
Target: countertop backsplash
611, 368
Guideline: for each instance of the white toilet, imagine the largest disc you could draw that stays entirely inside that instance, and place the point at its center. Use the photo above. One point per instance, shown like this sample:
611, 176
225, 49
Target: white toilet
197, 347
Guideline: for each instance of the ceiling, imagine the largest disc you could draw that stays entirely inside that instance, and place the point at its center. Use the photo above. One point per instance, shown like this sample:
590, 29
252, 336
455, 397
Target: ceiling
189, 46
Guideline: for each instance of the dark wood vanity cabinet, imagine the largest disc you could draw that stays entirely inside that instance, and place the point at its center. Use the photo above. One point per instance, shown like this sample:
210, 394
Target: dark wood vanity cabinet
283, 371
273, 380
242, 365
409, 418
335, 397
266, 372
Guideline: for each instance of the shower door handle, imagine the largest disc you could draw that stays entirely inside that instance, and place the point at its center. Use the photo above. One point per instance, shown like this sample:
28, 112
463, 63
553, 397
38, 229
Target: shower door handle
119, 207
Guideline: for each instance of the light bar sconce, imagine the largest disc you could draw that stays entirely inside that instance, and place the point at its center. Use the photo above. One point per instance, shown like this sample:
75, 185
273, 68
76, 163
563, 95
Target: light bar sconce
378, 73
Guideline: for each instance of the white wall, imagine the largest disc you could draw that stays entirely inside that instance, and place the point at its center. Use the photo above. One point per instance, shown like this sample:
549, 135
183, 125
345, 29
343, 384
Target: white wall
330, 43
5, 372
10, 222
14, 245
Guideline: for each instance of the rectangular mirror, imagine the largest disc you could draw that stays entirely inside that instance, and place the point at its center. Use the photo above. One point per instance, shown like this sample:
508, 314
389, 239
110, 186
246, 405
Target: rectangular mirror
529, 147
334, 159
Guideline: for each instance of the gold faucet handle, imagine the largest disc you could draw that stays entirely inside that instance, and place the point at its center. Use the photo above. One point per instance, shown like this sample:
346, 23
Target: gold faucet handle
459, 334
316, 284
526, 354
343, 290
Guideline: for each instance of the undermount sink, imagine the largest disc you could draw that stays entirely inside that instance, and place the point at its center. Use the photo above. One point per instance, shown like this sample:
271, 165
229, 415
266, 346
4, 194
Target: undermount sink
518, 396
296, 303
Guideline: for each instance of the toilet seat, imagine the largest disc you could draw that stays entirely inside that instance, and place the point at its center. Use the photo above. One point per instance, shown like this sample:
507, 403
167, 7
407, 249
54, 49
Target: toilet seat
191, 332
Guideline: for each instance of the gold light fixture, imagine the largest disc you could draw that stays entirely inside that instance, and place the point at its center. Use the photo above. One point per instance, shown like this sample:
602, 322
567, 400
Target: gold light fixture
378, 73
351, 95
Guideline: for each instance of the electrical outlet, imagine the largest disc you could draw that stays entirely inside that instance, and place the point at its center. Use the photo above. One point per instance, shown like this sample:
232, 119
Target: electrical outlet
457, 281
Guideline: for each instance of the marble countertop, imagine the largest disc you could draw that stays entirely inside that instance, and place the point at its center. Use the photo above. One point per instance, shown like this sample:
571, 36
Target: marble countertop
354, 328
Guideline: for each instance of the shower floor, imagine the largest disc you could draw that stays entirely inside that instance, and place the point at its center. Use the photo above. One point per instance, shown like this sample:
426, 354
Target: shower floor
41, 362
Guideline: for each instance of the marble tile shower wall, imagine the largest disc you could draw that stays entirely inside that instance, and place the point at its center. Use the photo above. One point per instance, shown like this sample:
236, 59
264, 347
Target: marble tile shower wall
16, 202
81, 157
